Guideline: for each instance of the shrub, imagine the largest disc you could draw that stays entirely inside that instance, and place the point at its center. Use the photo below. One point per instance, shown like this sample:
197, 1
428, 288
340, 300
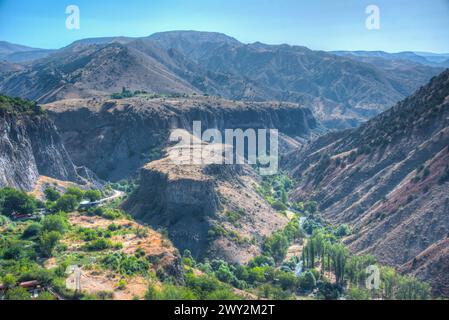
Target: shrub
48, 241
67, 203
121, 284
261, 261
126, 265
15, 201
113, 227
32, 231
307, 281
18, 293
279, 206
55, 222
9, 280
276, 246
234, 216
98, 245
169, 292
13, 105
287, 280
355, 293
107, 213
76, 192
92, 195
51, 194
343, 230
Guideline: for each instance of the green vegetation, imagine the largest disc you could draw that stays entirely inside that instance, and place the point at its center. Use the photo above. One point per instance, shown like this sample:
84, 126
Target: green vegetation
105, 212
126, 93
274, 189
125, 264
51, 194
10, 105
234, 216
328, 270
15, 201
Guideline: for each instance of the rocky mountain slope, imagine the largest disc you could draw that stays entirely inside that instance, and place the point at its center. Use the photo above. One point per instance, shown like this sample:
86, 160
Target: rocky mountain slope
340, 91
388, 179
30, 146
213, 210
114, 138
17, 53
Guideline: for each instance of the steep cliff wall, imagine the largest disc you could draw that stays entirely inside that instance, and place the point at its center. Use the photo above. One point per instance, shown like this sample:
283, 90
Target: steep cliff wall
212, 210
30, 146
116, 137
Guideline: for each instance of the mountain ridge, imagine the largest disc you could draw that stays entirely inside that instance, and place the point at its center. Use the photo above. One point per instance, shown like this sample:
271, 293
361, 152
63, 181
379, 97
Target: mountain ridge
342, 92
387, 179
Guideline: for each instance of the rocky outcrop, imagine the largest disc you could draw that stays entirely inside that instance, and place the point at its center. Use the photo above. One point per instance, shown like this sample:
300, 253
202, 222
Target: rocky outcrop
194, 203
30, 146
116, 137
388, 179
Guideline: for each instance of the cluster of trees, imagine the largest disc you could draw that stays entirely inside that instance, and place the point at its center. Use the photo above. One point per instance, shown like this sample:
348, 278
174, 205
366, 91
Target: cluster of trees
332, 256
197, 287
22, 248
12, 105
276, 246
127, 265
71, 198
324, 252
15, 201
275, 190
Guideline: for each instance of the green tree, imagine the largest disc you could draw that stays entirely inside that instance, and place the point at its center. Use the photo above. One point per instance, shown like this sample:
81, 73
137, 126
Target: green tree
74, 191
55, 222
9, 281
67, 203
307, 281
15, 201
32, 231
51, 194
277, 246
287, 280
92, 195
48, 241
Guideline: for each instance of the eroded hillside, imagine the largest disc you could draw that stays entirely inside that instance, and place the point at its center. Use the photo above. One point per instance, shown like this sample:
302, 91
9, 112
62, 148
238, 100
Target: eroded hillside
115, 138
30, 146
388, 179
213, 210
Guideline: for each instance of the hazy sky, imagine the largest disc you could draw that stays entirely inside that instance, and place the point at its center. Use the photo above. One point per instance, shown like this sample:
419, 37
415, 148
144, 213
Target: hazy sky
418, 25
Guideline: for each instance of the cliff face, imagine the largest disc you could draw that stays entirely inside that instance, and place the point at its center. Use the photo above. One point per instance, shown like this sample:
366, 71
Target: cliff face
195, 202
30, 146
116, 137
388, 179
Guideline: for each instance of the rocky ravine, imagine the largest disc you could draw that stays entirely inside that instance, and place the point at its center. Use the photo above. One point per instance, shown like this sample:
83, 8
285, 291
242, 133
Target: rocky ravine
212, 210
389, 179
115, 138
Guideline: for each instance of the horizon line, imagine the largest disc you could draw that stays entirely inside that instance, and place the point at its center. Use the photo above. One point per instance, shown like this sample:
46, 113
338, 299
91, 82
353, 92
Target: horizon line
227, 35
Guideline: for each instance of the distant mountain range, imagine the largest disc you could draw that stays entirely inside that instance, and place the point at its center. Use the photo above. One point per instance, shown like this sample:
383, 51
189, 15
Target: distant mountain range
342, 89
425, 58
18, 53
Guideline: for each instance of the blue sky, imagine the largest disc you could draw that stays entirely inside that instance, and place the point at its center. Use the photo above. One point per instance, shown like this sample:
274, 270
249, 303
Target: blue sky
418, 25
